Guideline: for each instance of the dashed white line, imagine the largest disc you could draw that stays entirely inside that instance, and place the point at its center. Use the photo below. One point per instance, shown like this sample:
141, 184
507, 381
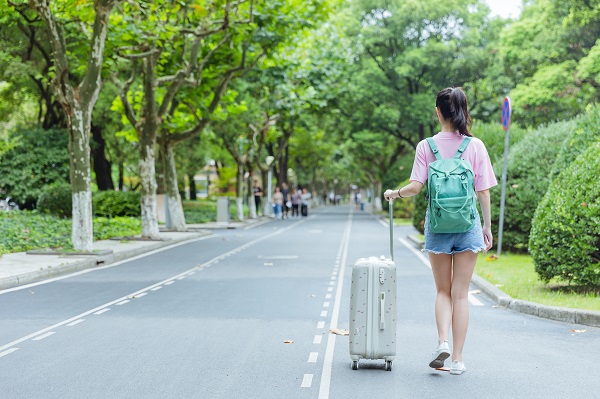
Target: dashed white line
307, 381
156, 288
122, 302
325, 304
169, 282
312, 357
75, 322
318, 339
324, 313
329, 289
102, 311
328, 296
474, 301
40, 337
321, 325
332, 283
181, 278
8, 352
140, 295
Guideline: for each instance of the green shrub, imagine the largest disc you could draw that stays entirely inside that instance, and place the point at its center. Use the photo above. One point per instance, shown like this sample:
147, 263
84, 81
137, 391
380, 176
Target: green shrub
528, 177
492, 136
420, 209
119, 226
585, 133
57, 200
565, 236
116, 203
199, 211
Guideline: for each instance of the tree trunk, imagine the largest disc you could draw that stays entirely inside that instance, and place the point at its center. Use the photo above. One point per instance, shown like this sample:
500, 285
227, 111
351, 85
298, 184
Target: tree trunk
102, 167
239, 201
147, 140
377, 194
121, 175
176, 219
251, 203
192, 185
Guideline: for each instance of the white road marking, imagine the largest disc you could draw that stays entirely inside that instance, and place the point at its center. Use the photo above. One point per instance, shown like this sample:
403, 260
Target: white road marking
156, 288
278, 257
325, 304
328, 296
385, 224
324, 313
321, 325
122, 302
181, 277
318, 339
474, 301
332, 283
140, 295
329, 289
40, 337
169, 282
75, 322
8, 352
307, 381
101, 309
313, 356
328, 359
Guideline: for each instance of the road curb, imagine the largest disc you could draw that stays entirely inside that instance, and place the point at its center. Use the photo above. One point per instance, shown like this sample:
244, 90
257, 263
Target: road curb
84, 264
503, 300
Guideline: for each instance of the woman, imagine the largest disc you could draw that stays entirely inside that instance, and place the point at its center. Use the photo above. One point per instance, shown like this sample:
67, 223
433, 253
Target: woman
453, 255
277, 202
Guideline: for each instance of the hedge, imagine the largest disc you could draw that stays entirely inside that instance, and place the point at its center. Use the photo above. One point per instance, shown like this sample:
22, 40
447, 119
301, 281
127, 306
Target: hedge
565, 234
528, 177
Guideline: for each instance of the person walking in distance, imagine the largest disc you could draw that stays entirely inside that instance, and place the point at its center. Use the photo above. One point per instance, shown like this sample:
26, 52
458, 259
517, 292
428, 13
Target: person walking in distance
305, 201
277, 203
286, 198
257, 196
452, 254
295, 199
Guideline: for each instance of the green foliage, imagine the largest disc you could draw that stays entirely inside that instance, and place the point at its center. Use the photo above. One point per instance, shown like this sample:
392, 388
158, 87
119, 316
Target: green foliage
40, 159
528, 177
116, 203
57, 200
584, 134
22, 231
492, 136
200, 211
420, 210
565, 236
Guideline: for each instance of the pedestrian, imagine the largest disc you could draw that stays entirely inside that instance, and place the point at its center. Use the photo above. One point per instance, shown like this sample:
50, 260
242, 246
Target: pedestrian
257, 196
305, 201
453, 255
332, 198
295, 200
286, 199
277, 203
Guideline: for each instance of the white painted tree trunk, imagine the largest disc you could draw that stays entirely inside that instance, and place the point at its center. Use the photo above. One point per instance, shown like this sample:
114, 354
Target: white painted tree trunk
148, 198
239, 205
377, 195
176, 220
82, 230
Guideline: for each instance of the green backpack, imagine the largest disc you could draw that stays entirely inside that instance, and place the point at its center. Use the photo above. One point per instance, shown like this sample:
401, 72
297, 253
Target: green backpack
451, 192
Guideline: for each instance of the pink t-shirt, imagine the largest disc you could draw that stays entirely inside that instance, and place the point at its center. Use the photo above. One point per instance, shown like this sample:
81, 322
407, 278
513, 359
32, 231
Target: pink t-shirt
448, 143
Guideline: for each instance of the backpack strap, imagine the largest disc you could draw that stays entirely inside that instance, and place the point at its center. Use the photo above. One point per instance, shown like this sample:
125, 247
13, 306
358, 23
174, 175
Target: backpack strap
463, 147
434, 148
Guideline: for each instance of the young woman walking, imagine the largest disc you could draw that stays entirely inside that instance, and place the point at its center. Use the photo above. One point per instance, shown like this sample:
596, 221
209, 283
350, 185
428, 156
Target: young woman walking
453, 255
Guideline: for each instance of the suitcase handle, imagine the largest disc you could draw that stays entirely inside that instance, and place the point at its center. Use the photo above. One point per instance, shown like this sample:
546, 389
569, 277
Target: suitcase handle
382, 311
391, 229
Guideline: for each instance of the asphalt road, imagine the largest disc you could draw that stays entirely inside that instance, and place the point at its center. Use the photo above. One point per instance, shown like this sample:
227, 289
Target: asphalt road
211, 318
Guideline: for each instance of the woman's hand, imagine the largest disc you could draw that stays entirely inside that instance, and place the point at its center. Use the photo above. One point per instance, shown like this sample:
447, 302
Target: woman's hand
390, 194
487, 237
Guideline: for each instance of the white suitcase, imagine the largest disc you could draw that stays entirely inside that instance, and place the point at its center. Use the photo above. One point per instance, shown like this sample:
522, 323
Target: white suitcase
373, 309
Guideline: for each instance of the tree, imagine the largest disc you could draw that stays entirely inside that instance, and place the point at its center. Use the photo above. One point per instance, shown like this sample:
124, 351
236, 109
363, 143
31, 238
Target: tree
77, 95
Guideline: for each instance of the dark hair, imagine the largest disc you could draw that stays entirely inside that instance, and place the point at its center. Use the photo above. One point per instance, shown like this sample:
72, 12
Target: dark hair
452, 103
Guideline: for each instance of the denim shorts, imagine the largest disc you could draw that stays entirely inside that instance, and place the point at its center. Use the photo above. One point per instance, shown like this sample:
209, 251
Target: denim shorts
451, 243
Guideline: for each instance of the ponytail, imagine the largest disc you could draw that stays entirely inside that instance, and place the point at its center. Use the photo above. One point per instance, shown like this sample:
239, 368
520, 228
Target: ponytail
452, 103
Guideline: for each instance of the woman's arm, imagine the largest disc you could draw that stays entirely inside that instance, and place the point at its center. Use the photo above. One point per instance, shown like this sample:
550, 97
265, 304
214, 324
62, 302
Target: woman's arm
484, 202
410, 190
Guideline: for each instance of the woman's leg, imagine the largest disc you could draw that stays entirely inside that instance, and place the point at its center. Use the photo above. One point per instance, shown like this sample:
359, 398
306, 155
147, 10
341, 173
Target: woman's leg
441, 264
464, 263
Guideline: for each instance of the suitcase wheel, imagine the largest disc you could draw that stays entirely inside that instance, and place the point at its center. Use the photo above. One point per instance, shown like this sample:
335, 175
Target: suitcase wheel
355, 365
388, 365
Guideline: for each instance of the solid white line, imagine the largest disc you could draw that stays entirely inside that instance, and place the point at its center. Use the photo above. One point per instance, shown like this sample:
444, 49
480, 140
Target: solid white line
181, 278
122, 302
8, 352
40, 337
75, 322
318, 339
324, 313
169, 282
328, 359
313, 356
140, 295
419, 254
307, 381
474, 301
95, 269
321, 325
387, 225
102, 311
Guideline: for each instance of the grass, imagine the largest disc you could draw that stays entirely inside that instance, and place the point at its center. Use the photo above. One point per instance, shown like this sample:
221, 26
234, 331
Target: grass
515, 275
402, 222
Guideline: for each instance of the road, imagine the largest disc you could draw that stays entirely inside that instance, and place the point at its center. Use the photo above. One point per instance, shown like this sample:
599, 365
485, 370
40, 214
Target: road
247, 314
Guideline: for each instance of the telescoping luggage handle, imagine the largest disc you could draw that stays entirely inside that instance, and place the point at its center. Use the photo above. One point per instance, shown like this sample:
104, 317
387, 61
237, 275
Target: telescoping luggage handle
391, 229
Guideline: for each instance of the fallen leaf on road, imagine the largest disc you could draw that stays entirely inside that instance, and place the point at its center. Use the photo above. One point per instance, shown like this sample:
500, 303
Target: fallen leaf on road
288, 341
443, 369
578, 331
337, 331
474, 292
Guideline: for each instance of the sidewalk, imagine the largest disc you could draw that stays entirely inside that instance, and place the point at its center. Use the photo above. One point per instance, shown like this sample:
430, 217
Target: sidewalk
566, 315
22, 268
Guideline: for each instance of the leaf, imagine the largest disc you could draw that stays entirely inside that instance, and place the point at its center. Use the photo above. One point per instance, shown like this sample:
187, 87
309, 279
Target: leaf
578, 331
337, 331
288, 341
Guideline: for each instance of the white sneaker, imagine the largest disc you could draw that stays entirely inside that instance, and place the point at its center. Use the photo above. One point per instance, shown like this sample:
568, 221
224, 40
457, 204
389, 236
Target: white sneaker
440, 355
457, 368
